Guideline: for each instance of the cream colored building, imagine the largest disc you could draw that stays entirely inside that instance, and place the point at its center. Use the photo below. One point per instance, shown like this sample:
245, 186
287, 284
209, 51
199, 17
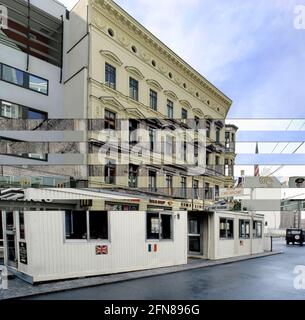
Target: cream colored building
119, 71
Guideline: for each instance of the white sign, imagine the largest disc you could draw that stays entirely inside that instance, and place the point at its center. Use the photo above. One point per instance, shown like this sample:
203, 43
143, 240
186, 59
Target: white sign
230, 192
3, 17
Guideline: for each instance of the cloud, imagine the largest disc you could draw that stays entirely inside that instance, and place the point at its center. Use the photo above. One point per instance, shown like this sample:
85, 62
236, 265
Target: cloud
248, 49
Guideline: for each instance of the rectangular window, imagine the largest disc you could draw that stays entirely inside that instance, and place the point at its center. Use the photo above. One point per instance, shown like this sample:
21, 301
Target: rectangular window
14, 111
226, 167
197, 123
110, 76
227, 140
152, 137
76, 225
183, 114
216, 192
98, 225
133, 127
24, 79
110, 172
166, 226
207, 193
110, 120
11, 147
226, 228
196, 189
13, 75
1, 232
21, 225
86, 225
208, 128
152, 181
133, 176
170, 109
133, 89
183, 187
257, 229
159, 226
169, 146
38, 84
217, 135
153, 99
152, 225
244, 229
169, 184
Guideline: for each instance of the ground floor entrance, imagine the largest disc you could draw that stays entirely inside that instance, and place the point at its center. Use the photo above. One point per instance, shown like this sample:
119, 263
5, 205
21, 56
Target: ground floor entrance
197, 233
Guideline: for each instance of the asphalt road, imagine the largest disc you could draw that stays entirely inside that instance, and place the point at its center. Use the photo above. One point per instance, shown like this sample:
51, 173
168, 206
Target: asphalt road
263, 278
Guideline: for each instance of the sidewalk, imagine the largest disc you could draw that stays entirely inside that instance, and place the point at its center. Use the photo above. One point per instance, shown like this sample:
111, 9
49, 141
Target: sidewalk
20, 289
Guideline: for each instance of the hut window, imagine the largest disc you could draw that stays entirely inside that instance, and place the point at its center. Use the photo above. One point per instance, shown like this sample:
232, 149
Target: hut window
244, 229
86, 225
257, 229
98, 225
226, 228
166, 226
76, 225
159, 226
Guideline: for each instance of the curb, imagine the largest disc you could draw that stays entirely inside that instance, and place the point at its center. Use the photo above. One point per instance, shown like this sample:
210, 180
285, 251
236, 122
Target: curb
81, 283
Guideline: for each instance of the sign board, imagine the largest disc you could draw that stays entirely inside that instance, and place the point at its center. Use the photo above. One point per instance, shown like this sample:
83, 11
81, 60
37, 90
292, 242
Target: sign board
100, 250
230, 192
218, 207
23, 254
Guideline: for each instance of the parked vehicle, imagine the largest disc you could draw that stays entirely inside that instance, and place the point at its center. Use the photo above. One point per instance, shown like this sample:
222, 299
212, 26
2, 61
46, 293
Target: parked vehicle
295, 236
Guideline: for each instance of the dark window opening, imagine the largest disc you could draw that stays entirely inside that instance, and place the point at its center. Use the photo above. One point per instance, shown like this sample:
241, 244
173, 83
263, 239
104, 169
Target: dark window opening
110, 76
153, 98
76, 225
133, 89
98, 225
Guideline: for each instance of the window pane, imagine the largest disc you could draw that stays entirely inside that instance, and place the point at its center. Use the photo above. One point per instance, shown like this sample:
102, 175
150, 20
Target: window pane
152, 225
98, 223
12, 75
38, 84
222, 228
31, 114
21, 225
110, 76
76, 225
230, 229
10, 110
166, 225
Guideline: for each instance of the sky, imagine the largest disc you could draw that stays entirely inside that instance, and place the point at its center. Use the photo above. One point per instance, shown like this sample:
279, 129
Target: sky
248, 49
251, 51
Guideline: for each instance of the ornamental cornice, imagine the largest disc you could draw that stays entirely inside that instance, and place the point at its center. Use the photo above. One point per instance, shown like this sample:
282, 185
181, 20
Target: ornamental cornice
113, 11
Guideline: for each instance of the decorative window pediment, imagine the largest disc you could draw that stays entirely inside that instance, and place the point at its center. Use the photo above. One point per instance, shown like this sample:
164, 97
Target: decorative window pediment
171, 94
111, 56
155, 84
114, 103
136, 113
135, 71
186, 104
198, 111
